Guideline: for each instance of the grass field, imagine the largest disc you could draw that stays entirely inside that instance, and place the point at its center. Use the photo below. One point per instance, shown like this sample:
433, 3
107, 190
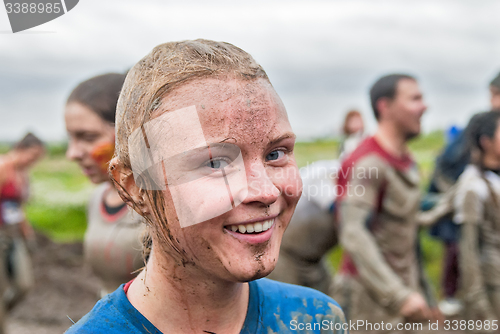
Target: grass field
60, 193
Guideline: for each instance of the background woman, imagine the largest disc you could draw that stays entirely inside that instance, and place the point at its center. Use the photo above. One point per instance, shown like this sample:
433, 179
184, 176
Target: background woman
353, 131
112, 242
201, 134
477, 209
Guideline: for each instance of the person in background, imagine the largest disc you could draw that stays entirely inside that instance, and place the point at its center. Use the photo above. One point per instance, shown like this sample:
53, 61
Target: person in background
112, 242
452, 161
380, 278
353, 131
449, 166
477, 210
16, 272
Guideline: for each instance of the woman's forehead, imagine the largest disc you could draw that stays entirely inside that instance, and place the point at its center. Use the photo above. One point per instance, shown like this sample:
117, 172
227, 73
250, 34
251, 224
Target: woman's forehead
247, 111
213, 94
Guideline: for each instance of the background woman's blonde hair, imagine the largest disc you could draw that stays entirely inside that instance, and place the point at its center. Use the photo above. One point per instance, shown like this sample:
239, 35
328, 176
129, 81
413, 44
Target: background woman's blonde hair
166, 67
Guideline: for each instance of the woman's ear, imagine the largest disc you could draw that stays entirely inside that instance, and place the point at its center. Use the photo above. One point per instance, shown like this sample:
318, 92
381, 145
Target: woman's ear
130, 193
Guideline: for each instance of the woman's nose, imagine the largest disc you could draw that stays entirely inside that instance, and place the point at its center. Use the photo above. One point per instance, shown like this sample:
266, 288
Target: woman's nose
261, 188
74, 152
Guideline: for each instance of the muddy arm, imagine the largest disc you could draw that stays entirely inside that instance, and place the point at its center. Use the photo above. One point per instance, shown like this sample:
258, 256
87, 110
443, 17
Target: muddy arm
469, 260
443, 207
383, 284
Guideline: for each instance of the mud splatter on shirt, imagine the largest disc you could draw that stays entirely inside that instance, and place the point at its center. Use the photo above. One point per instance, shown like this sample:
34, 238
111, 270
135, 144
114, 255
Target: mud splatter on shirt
273, 307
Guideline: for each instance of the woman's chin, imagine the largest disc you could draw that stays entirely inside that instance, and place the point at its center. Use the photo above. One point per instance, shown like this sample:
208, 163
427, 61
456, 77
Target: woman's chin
258, 269
248, 277
97, 178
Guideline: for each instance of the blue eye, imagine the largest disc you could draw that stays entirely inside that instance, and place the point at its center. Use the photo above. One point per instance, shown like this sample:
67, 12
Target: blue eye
275, 155
217, 164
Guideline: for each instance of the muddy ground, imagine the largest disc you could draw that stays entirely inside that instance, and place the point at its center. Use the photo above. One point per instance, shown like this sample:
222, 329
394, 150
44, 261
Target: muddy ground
63, 288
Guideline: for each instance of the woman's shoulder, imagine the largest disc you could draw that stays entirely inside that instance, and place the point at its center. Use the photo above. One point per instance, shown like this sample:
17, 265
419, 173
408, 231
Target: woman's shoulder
296, 303
6, 169
472, 181
103, 318
471, 171
113, 314
279, 290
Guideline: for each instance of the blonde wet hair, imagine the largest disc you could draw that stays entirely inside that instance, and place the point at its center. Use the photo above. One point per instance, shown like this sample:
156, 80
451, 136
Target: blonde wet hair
165, 68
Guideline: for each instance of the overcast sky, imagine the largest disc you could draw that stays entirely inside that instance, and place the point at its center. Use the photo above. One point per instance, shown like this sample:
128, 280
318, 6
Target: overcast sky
321, 56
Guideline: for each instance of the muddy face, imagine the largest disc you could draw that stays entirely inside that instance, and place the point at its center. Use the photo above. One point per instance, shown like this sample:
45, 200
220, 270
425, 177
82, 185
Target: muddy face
91, 141
243, 243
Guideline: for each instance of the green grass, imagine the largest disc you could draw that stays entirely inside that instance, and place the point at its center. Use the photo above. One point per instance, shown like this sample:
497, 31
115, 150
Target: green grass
308, 152
60, 223
60, 194
61, 191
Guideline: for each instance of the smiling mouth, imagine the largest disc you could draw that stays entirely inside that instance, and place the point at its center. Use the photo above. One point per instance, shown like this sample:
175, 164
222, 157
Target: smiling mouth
252, 228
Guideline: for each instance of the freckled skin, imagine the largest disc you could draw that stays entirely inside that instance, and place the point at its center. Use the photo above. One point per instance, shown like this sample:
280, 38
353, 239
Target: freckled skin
252, 115
199, 275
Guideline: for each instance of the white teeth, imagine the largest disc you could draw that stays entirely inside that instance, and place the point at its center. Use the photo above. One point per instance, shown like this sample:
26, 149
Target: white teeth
267, 224
253, 228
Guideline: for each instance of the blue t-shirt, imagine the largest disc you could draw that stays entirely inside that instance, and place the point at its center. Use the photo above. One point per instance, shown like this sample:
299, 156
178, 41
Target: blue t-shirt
273, 307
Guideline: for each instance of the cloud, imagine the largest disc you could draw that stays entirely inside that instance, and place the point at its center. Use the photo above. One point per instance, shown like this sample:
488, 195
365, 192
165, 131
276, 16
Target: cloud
317, 53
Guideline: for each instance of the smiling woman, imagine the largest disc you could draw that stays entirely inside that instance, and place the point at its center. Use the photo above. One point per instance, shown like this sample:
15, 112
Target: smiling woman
204, 152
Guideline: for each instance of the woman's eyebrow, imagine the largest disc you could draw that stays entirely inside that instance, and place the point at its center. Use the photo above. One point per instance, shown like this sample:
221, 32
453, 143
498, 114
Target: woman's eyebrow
281, 138
230, 140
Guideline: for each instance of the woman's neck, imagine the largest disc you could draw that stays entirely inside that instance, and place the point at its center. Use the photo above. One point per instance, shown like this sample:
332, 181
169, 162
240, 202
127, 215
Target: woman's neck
111, 197
177, 299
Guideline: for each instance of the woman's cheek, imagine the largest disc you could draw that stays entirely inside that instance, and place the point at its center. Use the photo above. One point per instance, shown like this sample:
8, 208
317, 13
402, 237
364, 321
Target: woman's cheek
289, 182
101, 154
293, 190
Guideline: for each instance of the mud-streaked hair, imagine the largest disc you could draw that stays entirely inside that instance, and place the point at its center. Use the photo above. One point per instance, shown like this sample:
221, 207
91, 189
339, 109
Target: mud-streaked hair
165, 68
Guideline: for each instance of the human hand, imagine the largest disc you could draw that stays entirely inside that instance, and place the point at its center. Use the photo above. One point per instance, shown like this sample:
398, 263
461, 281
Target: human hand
415, 308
